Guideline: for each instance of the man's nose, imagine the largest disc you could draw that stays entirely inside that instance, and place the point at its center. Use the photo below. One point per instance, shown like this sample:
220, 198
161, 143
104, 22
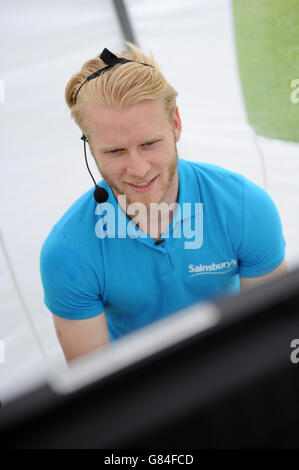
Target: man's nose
137, 164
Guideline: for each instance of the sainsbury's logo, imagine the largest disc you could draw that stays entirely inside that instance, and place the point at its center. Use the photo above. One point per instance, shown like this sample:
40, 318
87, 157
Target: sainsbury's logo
213, 268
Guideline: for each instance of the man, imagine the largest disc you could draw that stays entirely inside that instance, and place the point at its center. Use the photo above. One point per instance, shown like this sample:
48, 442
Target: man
107, 272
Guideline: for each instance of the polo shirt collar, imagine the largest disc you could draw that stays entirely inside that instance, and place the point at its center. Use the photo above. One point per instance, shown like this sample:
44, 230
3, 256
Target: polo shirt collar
189, 192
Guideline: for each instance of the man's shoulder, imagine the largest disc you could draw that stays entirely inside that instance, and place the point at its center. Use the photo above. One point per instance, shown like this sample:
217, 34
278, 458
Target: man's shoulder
75, 225
230, 182
210, 170
213, 180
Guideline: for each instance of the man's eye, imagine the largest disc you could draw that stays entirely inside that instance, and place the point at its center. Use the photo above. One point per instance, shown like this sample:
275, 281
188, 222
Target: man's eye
150, 143
146, 144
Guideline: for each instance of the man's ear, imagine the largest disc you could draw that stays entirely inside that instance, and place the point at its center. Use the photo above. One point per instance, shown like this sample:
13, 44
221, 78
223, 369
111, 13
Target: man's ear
177, 124
89, 142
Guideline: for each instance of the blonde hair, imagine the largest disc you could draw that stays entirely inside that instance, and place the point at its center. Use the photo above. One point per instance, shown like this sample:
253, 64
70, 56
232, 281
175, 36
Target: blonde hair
121, 86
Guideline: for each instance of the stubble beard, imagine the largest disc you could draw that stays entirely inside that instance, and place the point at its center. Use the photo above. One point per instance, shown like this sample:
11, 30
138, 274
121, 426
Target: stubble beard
171, 174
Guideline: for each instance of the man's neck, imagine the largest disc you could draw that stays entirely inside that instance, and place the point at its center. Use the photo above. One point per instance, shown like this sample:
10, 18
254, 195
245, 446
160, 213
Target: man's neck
156, 219
160, 216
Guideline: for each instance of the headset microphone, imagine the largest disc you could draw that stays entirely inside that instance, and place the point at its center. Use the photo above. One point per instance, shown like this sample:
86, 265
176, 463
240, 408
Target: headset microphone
100, 194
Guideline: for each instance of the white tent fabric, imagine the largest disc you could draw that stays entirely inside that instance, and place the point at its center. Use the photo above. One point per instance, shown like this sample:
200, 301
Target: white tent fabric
42, 163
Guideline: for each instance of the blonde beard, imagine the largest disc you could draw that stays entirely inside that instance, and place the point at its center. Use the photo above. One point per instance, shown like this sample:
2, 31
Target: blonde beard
171, 174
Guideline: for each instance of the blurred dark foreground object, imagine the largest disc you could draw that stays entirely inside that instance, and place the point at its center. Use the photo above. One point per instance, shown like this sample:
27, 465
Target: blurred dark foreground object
231, 386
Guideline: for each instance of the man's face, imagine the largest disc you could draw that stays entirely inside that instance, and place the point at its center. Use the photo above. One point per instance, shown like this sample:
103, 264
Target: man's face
135, 150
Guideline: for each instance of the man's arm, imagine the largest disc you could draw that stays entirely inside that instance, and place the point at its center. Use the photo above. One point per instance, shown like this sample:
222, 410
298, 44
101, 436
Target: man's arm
78, 337
247, 283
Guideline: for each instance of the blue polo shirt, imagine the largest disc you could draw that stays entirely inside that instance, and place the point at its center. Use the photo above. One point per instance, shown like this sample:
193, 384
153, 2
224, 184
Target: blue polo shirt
96, 259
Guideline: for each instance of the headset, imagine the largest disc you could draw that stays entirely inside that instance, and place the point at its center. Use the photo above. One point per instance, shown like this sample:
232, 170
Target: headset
100, 194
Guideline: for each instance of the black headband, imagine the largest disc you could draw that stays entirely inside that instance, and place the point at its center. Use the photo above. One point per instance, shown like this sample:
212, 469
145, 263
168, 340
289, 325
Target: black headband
110, 59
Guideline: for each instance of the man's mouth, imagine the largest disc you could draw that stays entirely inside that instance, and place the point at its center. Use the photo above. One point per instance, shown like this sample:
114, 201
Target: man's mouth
144, 186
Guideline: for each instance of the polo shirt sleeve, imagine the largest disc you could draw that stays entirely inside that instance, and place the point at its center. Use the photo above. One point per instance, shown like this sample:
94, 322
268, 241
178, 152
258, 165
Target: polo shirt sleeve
71, 286
262, 247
